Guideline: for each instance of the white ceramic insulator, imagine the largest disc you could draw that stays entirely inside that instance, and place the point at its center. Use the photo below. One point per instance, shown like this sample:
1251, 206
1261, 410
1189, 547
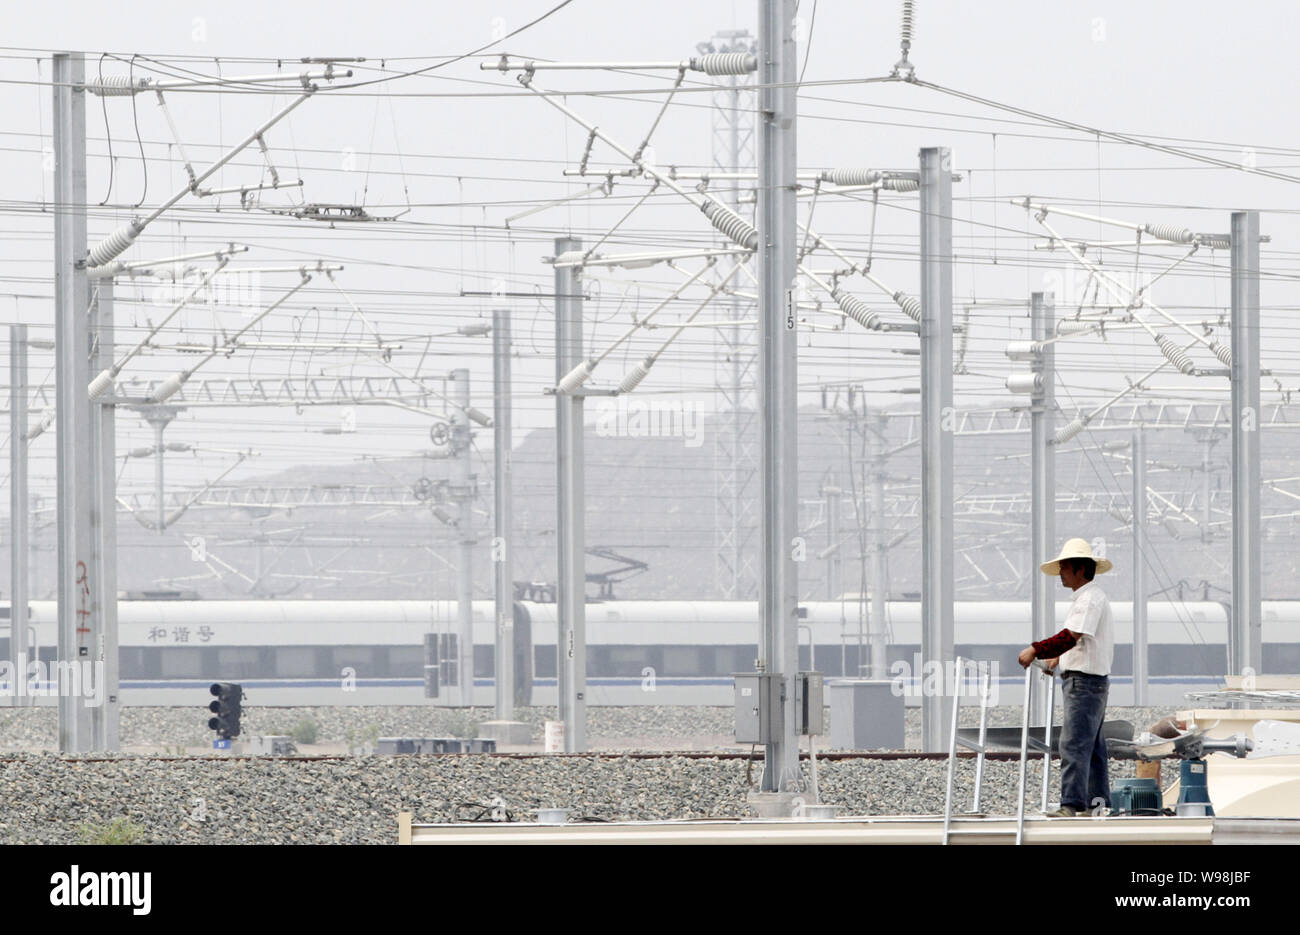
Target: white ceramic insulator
168, 388
474, 330
476, 415
909, 20
731, 225
858, 310
909, 304
1024, 350
1029, 383
1169, 232
101, 384
1067, 432
852, 176
39, 428
575, 377
1074, 326
115, 86
901, 185
1175, 354
635, 376
444, 516
114, 244
725, 63
1221, 241
1223, 352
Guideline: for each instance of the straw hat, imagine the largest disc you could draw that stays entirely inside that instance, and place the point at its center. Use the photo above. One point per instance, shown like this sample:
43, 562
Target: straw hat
1075, 548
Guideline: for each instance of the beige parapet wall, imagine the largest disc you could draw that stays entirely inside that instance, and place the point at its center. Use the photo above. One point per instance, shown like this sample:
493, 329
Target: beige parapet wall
882, 830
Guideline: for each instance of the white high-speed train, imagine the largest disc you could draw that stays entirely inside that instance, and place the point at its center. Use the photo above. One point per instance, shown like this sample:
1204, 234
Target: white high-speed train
638, 652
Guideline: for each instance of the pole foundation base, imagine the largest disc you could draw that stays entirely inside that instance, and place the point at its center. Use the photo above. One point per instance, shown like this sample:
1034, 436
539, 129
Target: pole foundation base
774, 804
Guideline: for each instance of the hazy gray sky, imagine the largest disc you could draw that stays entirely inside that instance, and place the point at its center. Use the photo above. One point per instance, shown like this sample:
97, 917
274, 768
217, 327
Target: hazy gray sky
1194, 71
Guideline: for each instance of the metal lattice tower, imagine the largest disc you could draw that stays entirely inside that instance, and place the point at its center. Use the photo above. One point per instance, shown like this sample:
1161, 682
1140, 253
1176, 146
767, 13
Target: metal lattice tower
735, 362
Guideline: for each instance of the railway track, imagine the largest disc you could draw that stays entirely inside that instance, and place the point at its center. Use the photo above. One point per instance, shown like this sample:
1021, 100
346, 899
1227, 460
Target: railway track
597, 755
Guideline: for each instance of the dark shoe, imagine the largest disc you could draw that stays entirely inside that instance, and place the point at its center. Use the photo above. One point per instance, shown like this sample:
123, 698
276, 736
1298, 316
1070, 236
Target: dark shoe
1065, 811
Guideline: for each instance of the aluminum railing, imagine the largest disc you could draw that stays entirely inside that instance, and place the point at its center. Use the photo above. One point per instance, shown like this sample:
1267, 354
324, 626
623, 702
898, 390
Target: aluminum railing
1037, 669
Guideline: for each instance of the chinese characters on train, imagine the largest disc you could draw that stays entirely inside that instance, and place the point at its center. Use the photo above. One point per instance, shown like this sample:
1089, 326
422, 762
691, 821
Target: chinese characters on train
201, 634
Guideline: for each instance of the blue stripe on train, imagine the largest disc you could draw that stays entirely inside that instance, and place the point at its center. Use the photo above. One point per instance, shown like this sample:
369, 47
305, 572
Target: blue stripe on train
406, 683
608, 682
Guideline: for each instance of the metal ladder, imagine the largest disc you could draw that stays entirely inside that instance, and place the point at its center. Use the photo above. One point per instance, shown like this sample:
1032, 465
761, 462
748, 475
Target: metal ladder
1045, 745
977, 746
1025, 741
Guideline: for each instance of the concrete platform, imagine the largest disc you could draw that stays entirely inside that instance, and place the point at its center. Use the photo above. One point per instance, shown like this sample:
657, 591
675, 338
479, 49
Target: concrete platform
863, 830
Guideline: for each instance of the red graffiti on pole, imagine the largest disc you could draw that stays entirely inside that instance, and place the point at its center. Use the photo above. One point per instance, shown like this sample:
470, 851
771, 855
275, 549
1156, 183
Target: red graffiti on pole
83, 592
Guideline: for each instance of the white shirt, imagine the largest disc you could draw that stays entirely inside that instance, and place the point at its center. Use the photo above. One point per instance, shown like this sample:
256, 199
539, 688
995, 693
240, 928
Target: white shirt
1090, 615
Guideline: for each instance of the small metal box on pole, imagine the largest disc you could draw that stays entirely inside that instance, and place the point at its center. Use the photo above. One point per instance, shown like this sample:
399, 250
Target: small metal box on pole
431, 664
757, 705
811, 703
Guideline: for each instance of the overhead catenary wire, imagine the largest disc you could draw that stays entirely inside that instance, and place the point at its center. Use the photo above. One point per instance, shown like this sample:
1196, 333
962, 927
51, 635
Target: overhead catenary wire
693, 353
583, 370
1134, 300
122, 238
169, 387
642, 370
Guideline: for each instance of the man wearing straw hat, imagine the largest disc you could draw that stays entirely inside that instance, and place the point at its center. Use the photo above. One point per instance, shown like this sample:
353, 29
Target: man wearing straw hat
1083, 651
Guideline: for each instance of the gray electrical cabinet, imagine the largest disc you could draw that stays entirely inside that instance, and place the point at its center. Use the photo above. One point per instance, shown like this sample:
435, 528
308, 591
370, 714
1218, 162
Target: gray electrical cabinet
866, 714
812, 706
431, 667
757, 703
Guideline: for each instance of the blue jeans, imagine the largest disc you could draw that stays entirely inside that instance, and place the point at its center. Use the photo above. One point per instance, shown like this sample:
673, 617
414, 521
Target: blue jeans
1084, 777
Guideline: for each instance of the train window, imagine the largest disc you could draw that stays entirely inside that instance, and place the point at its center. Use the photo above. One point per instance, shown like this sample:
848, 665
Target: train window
237, 662
483, 660
685, 660
626, 661
1185, 660
236, 655
135, 664
295, 661
405, 661
361, 658
1282, 657
544, 662
729, 659
181, 662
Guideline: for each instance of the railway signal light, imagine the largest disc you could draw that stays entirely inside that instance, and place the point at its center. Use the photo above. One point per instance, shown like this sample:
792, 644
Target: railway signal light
227, 709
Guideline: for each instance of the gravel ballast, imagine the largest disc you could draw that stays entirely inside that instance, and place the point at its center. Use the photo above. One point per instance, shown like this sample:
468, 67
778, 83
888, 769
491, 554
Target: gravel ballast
49, 798
658, 727
355, 800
